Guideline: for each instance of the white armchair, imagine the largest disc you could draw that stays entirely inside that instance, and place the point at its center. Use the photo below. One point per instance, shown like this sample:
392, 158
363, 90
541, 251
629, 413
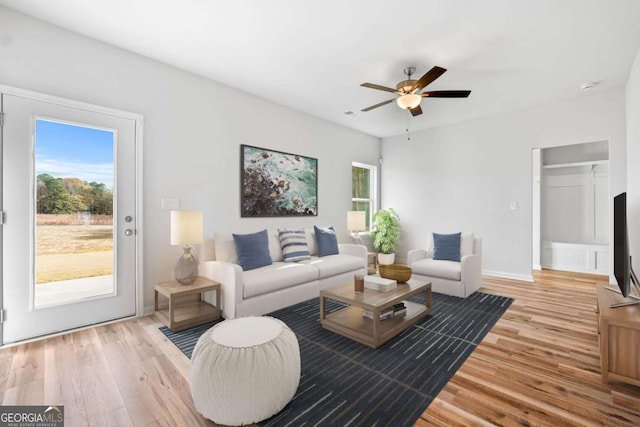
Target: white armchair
459, 279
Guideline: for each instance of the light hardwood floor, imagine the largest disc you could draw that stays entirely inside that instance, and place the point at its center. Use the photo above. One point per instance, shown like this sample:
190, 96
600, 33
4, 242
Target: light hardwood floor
540, 363
538, 366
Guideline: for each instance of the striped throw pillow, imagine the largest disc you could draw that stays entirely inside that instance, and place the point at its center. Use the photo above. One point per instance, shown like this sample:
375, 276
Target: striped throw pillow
294, 245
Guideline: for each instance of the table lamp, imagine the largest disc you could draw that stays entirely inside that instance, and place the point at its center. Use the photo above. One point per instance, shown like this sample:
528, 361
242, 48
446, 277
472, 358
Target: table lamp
186, 229
356, 222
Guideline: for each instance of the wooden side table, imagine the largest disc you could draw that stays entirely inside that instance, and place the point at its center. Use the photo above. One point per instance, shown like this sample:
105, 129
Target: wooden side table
372, 259
183, 307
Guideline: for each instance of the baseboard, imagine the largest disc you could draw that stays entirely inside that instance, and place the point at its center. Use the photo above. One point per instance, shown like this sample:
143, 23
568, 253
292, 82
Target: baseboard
149, 309
537, 267
506, 275
575, 269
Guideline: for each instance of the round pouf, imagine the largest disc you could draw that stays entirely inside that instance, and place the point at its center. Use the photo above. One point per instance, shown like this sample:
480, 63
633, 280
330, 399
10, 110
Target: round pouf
244, 370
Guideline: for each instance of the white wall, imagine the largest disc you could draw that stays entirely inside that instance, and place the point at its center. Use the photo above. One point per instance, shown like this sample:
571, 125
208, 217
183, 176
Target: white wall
575, 204
193, 128
536, 180
633, 161
463, 177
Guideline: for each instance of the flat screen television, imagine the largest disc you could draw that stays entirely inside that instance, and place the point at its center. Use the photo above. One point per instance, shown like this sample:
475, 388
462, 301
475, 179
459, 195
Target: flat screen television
622, 267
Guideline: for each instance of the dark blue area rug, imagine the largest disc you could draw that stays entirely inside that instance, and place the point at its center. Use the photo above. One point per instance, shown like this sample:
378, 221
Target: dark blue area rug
346, 383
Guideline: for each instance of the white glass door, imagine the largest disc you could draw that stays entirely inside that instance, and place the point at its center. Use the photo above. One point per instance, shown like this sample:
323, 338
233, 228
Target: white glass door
69, 197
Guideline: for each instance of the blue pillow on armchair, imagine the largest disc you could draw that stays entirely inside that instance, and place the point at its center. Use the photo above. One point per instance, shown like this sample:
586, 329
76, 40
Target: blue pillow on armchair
446, 247
327, 241
253, 250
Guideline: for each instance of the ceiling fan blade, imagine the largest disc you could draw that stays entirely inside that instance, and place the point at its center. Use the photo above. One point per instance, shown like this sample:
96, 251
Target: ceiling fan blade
428, 77
375, 86
378, 105
446, 94
416, 111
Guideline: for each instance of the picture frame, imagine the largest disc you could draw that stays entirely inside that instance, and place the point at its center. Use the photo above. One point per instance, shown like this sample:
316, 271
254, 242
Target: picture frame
274, 183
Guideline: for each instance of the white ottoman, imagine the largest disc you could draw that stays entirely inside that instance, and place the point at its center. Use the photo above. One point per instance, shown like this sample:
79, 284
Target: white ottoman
244, 370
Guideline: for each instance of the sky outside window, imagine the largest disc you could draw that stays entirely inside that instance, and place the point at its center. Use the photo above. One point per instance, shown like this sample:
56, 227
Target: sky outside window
71, 151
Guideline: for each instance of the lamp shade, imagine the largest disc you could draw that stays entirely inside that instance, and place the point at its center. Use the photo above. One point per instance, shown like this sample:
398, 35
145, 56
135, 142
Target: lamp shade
186, 227
356, 221
409, 101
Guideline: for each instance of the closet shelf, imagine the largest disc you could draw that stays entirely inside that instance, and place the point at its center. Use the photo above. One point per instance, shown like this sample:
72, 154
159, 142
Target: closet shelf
576, 164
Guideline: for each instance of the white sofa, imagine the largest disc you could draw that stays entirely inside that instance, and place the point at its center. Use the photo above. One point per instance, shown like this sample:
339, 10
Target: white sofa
281, 284
459, 279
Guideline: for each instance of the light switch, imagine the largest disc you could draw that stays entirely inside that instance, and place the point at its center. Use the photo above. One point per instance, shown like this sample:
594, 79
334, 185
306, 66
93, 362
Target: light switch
170, 204
513, 206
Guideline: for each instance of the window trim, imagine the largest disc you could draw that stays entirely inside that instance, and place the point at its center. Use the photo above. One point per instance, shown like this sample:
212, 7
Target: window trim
373, 192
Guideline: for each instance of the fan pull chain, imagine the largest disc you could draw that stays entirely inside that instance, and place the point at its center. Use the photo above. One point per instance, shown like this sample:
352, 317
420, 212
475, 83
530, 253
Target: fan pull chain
407, 128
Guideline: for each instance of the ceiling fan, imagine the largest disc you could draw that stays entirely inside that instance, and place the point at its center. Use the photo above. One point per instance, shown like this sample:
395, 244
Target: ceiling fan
410, 91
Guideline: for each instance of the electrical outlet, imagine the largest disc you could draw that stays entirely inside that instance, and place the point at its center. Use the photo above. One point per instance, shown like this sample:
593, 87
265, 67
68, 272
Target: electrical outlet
170, 204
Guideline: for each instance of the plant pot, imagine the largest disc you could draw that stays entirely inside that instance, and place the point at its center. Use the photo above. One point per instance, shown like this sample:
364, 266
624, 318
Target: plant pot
386, 259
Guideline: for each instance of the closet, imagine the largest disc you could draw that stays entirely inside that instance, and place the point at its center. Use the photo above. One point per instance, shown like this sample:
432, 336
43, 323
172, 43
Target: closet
574, 208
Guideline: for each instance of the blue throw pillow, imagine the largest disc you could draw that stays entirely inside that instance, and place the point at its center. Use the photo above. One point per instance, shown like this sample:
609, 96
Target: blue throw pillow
294, 245
446, 247
252, 250
327, 241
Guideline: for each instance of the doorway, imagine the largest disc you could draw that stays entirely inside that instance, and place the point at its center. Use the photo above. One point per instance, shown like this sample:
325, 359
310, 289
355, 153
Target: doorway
70, 240
571, 205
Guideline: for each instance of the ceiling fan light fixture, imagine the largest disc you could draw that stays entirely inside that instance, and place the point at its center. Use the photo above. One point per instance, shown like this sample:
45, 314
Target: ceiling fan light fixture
409, 101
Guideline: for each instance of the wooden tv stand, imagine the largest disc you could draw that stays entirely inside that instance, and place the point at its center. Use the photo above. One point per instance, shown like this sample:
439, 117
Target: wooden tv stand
619, 335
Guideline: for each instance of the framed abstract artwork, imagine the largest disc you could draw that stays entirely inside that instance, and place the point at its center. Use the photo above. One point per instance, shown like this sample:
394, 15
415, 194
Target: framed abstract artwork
273, 183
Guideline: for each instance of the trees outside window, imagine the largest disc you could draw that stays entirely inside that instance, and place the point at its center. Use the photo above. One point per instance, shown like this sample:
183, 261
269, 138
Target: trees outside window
363, 185
70, 195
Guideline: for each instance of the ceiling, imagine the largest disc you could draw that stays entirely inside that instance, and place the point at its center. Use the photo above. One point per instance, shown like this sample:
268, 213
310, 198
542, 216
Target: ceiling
312, 55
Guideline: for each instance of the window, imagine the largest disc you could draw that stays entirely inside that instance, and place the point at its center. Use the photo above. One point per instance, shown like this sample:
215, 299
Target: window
363, 193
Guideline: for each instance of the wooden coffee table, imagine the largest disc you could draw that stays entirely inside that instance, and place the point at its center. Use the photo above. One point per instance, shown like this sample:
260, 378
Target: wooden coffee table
350, 322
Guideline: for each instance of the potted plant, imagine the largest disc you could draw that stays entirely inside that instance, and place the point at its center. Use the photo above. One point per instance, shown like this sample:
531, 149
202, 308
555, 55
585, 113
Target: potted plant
386, 225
